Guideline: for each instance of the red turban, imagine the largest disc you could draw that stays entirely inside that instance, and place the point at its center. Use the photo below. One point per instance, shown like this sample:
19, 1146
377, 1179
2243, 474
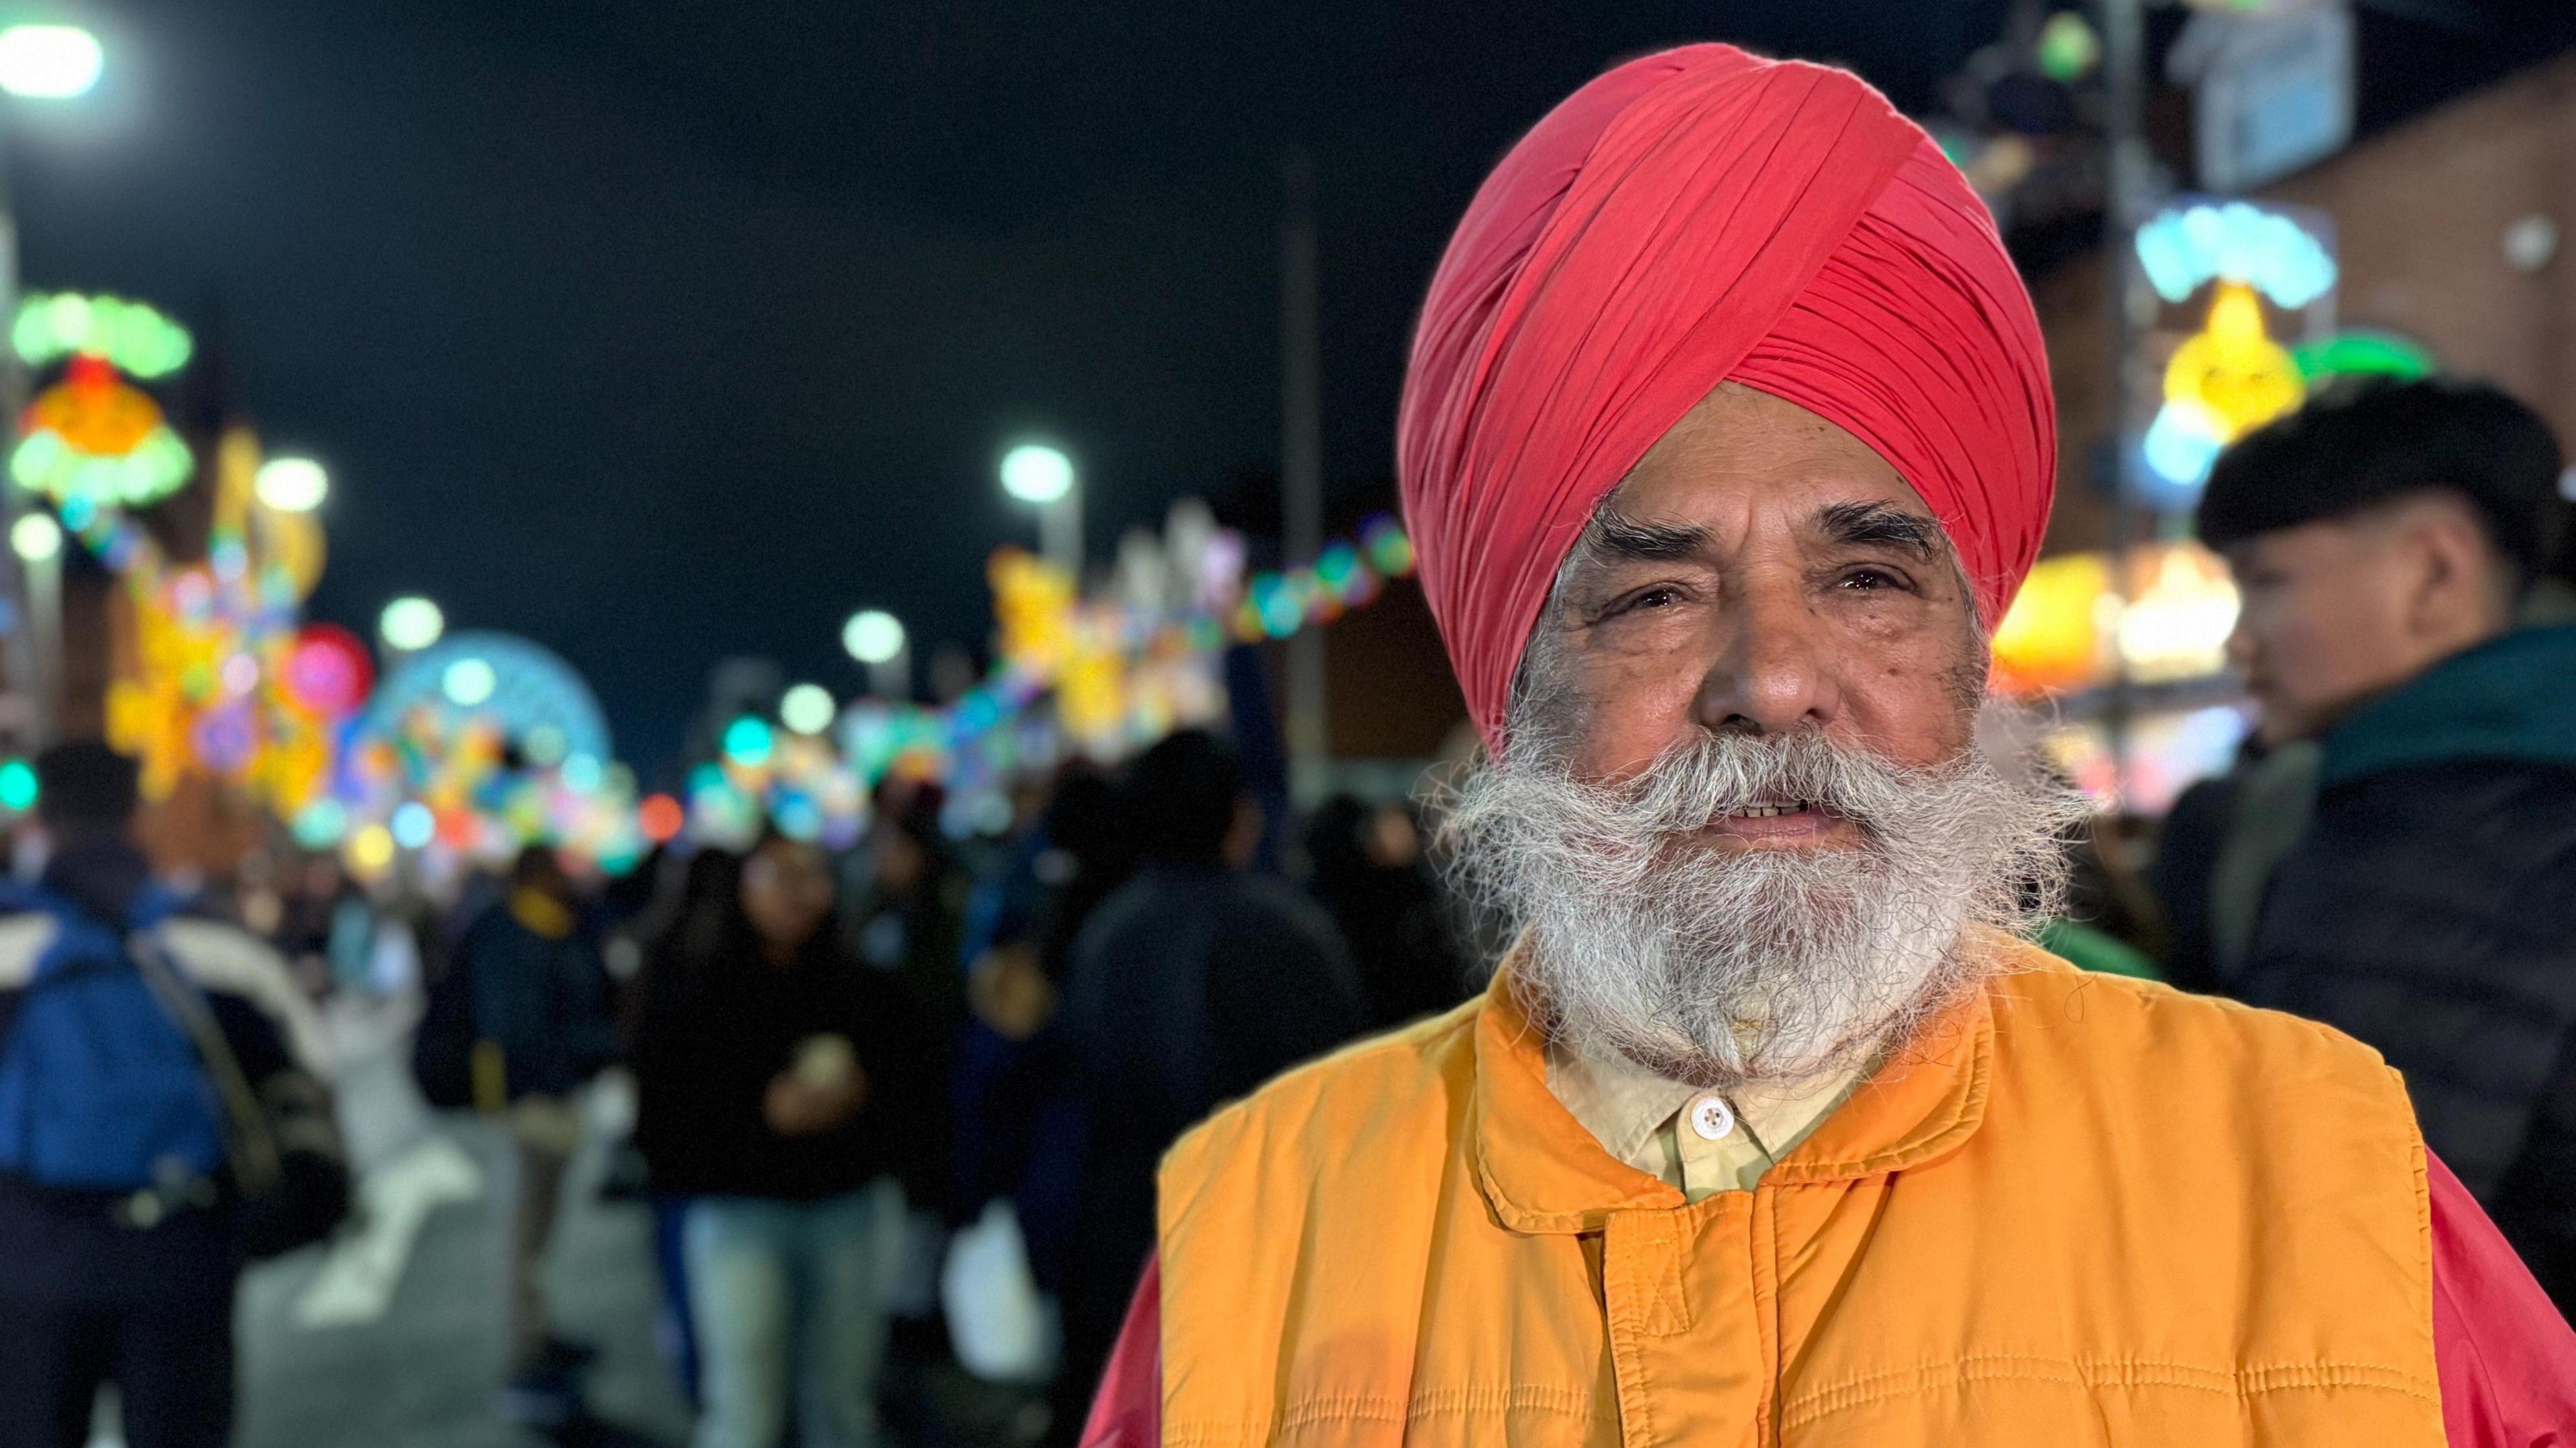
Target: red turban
1689, 218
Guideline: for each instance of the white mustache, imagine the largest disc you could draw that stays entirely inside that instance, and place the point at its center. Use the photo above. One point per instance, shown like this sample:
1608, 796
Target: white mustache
1731, 968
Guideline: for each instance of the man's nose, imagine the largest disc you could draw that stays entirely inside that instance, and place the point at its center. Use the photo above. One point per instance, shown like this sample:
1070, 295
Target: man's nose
2241, 643
1775, 671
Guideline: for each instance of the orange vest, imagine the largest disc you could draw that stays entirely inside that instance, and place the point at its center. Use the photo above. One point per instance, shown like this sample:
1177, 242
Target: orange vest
2085, 1210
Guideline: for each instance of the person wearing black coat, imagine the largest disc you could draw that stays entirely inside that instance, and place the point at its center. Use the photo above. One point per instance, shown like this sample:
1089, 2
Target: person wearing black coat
2401, 862
779, 1078
1194, 982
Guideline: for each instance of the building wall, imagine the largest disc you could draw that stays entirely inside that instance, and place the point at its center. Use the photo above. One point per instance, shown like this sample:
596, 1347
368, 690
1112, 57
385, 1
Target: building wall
2421, 214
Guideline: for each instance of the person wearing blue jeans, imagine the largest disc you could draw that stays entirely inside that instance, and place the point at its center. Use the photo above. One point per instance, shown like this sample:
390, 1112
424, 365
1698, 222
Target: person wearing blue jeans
778, 1081
789, 1310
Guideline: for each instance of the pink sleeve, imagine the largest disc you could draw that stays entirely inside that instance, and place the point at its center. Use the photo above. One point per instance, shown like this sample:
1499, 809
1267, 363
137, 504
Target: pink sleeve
1127, 1412
2506, 1358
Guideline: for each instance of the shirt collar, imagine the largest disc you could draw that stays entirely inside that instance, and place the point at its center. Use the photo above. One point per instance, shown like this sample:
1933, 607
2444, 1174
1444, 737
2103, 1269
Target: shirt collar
1542, 1170
1622, 1103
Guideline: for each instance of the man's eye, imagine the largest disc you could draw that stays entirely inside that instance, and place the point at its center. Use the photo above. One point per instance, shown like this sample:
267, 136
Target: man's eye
1649, 599
1869, 580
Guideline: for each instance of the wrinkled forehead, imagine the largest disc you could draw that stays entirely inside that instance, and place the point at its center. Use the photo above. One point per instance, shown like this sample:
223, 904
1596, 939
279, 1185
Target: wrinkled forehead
1743, 465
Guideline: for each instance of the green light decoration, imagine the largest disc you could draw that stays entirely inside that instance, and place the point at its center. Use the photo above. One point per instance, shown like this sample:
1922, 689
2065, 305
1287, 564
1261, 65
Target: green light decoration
17, 786
46, 463
2068, 49
2377, 354
139, 340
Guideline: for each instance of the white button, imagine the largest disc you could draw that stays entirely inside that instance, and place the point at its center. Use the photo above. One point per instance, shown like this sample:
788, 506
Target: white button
1711, 1118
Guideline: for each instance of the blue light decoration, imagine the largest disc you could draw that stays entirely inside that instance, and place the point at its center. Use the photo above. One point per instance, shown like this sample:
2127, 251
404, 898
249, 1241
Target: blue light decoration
475, 746
531, 689
2188, 247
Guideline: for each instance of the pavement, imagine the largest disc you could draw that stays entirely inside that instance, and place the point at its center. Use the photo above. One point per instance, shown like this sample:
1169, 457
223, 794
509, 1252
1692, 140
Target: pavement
394, 1335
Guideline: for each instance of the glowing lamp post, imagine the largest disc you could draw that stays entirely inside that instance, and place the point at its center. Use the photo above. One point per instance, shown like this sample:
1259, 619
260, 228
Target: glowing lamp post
291, 485
37, 63
876, 639
49, 62
1043, 476
38, 541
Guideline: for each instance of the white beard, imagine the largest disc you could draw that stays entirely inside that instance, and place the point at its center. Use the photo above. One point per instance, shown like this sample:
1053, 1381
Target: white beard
1764, 966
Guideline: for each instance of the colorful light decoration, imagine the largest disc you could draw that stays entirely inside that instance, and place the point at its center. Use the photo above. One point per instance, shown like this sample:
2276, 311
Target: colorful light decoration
92, 436
1098, 675
475, 746
2069, 629
2222, 383
329, 671
216, 675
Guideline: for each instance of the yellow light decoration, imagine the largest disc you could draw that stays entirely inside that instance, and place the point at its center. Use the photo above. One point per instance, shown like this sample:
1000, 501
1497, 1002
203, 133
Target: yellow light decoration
2182, 606
2068, 626
2049, 638
294, 545
2232, 369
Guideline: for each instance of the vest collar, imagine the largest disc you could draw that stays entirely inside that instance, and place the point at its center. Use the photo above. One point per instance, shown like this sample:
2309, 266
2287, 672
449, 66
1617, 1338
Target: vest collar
1541, 1171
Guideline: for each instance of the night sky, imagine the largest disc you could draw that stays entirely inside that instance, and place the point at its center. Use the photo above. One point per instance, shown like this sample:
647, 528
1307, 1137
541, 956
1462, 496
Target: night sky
666, 330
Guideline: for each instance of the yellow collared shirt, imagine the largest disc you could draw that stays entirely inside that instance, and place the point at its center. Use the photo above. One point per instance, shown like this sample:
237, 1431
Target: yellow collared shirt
1703, 1142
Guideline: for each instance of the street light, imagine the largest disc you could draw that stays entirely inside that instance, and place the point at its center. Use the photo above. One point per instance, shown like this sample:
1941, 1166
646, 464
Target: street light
49, 62
291, 485
876, 638
1038, 474
37, 538
410, 623
807, 708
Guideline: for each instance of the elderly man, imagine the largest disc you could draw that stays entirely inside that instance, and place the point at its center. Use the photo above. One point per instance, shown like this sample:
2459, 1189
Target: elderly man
1727, 439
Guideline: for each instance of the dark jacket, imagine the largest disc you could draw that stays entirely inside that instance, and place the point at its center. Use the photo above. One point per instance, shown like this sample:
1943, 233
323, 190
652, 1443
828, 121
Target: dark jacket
2429, 908
539, 996
717, 1024
1189, 986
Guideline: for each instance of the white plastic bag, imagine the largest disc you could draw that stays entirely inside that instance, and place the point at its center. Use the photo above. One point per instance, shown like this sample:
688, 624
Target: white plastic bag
1003, 1330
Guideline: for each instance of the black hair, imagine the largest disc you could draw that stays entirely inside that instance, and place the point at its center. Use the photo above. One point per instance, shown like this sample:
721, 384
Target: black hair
2364, 442
83, 785
1181, 797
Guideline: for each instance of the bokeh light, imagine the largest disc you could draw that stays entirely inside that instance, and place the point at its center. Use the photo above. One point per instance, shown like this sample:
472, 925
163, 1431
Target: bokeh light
873, 636
1036, 473
807, 708
36, 537
469, 682
17, 786
414, 826
747, 741
49, 62
291, 485
411, 623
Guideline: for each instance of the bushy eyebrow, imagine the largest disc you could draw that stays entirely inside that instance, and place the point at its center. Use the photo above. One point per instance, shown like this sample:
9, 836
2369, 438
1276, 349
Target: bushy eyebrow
1612, 535
1877, 525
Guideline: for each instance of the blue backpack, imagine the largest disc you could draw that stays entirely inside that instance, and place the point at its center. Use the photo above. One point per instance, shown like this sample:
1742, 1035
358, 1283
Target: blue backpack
100, 1088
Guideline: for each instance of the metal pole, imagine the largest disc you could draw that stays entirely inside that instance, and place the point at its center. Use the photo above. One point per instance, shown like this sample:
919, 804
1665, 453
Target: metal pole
2132, 304
892, 680
37, 612
1060, 532
1301, 473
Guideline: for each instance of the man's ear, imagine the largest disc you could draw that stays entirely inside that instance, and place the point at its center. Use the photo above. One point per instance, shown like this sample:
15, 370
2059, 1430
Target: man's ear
2449, 571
